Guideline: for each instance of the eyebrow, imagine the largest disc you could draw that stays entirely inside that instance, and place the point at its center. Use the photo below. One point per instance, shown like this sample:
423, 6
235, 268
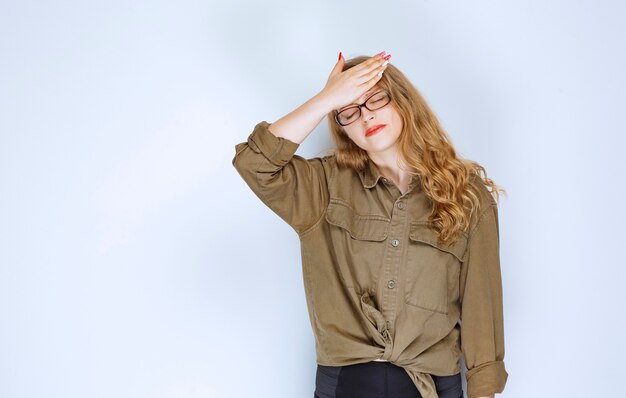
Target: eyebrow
367, 94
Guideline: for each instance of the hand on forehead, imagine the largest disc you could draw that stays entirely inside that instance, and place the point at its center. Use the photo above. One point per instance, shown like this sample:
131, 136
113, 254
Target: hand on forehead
363, 97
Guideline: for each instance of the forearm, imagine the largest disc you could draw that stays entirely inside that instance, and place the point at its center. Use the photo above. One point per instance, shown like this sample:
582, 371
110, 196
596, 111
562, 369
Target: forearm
299, 123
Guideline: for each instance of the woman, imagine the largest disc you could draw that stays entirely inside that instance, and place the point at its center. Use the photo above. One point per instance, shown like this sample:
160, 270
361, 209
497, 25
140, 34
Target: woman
399, 239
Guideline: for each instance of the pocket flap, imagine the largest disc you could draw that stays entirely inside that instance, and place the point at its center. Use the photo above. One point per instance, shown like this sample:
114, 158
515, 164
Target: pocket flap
359, 226
425, 232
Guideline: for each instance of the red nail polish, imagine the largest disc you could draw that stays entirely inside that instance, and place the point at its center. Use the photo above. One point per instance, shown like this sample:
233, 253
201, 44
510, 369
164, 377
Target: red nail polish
339, 56
387, 57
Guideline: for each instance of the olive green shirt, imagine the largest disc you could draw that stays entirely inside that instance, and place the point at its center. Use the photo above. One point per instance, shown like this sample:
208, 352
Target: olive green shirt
378, 285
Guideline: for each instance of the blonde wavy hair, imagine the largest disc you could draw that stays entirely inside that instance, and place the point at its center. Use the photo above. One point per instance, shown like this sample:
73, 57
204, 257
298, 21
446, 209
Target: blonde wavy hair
427, 150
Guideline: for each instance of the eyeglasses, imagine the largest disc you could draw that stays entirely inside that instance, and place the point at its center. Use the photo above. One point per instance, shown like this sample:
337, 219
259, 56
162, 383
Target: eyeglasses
353, 113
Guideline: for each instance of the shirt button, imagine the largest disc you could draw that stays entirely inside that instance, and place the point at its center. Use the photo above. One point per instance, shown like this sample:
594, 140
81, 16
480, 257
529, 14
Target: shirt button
401, 205
395, 242
391, 284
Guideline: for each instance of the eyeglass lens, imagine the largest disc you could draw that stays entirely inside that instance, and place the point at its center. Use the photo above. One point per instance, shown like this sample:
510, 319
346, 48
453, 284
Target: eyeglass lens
351, 114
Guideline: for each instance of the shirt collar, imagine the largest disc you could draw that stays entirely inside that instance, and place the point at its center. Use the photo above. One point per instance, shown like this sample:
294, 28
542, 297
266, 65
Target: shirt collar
370, 175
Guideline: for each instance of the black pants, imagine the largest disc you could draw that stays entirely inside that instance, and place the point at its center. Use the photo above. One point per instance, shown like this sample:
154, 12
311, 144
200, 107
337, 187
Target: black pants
377, 380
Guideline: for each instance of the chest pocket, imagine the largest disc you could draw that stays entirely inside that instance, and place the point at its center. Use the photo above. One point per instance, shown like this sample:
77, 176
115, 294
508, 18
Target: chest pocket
357, 243
432, 268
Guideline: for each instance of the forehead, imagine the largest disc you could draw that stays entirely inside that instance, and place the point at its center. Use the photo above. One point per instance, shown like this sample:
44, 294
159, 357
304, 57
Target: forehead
363, 97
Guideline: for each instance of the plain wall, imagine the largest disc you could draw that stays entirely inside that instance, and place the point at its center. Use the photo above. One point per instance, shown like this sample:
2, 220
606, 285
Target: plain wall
135, 262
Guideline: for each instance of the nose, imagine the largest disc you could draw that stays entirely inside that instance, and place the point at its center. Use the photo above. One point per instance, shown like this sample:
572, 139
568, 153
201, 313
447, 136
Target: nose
366, 114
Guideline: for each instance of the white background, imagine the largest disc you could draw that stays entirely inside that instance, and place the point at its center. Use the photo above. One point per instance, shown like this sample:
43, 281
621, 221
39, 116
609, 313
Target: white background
135, 262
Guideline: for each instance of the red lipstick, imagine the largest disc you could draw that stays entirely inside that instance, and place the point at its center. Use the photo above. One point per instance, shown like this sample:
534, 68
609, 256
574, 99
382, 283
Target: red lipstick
374, 129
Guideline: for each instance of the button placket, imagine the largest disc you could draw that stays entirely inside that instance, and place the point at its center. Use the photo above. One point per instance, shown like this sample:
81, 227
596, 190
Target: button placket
394, 252
393, 258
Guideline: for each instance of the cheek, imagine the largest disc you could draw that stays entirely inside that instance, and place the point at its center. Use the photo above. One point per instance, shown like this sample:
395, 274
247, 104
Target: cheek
397, 124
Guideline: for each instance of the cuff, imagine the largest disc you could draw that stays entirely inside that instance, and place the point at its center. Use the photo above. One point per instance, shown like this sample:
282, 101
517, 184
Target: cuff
278, 150
486, 379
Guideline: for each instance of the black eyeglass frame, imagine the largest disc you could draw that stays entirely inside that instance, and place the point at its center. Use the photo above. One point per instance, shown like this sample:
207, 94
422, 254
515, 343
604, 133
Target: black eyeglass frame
362, 105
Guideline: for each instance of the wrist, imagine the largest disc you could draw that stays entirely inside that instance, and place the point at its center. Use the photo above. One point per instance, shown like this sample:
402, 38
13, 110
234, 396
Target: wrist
322, 101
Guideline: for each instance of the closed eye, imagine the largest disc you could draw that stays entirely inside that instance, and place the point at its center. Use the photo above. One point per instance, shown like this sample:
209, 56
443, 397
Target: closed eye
366, 98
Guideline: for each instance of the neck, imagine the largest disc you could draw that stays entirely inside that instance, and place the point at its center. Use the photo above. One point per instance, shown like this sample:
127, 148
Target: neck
387, 163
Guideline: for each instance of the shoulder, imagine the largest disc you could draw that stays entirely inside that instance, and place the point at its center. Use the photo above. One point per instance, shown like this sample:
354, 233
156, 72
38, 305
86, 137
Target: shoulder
326, 160
488, 205
324, 164
329, 159
477, 184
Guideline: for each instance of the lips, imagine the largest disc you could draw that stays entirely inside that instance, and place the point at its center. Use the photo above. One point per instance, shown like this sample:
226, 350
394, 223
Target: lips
374, 129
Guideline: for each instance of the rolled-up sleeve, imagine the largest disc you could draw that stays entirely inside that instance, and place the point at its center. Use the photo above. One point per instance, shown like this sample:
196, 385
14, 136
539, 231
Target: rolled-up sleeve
293, 187
482, 322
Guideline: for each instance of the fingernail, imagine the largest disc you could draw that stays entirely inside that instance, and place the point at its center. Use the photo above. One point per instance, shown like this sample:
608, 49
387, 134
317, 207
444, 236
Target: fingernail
339, 56
387, 57
380, 54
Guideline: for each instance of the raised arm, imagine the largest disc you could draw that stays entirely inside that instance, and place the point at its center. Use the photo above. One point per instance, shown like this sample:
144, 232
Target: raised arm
296, 188
293, 187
